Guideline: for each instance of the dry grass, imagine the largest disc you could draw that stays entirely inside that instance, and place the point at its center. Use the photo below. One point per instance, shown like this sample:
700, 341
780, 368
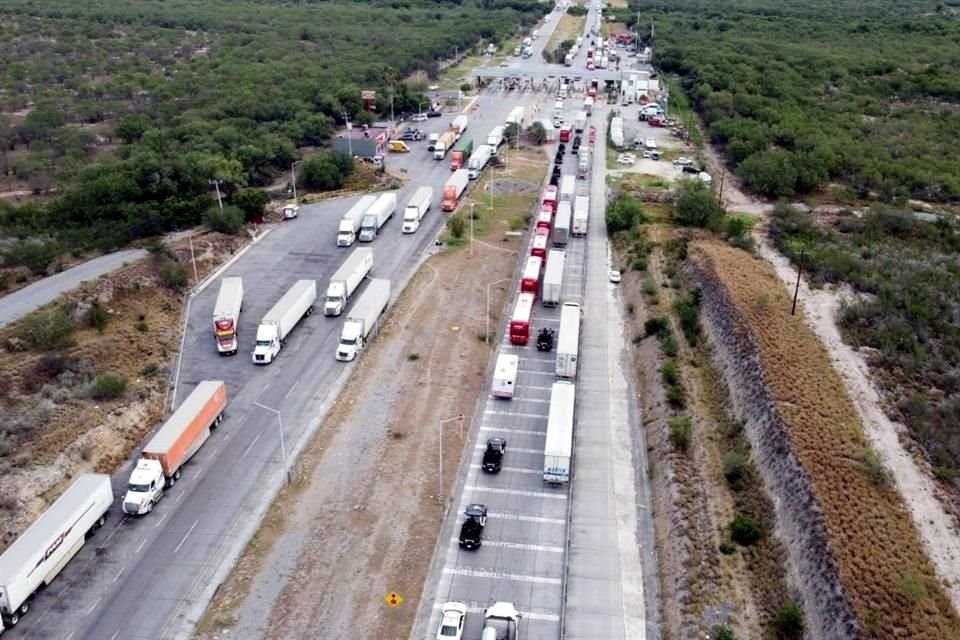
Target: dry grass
888, 579
568, 28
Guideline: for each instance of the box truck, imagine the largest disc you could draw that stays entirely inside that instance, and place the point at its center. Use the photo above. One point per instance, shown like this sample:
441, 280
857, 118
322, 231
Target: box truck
550, 197
505, 376
558, 447
459, 124
588, 105
580, 122
544, 218
362, 318
553, 278
567, 187
568, 341
226, 315
530, 279
44, 549
581, 213
583, 164
561, 226
461, 153
443, 144
346, 279
454, 188
173, 445
478, 161
520, 320
350, 222
377, 216
282, 318
501, 621
495, 137
416, 208
540, 241
516, 116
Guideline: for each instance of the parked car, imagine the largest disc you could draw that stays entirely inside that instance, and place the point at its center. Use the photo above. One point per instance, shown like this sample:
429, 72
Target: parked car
493, 456
471, 531
626, 158
411, 134
452, 617
682, 162
434, 114
419, 117
689, 168
614, 276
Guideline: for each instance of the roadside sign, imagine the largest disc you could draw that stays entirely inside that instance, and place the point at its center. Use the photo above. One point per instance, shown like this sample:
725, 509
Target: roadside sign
393, 599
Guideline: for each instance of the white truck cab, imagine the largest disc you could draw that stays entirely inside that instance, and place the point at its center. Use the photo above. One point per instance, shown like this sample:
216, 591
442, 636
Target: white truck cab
336, 299
268, 344
351, 341
291, 211
145, 487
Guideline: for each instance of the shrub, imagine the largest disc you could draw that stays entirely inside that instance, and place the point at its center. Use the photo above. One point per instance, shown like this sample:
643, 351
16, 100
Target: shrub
669, 345
696, 206
727, 549
98, 318
640, 263
790, 621
744, 530
173, 275
681, 429
676, 396
734, 466
35, 255
624, 213
873, 467
251, 202
142, 327
413, 357
150, 370
108, 386
687, 309
327, 171
49, 366
537, 133
228, 221
656, 325
47, 331
669, 372
457, 225
650, 286
722, 632
912, 586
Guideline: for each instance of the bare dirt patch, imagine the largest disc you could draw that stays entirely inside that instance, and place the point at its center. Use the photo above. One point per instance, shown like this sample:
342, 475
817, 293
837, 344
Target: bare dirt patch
854, 550
363, 515
53, 429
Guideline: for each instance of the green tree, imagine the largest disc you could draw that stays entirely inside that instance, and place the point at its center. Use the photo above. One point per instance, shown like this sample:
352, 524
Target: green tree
696, 205
771, 172
537, 133
623, 213
251, 201
228, 221
323, 172
132, 128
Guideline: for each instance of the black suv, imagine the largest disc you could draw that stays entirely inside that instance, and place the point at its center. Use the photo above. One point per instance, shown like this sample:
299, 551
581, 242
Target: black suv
493, 456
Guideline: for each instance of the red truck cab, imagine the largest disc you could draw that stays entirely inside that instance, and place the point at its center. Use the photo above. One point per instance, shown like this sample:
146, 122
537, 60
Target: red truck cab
565, 133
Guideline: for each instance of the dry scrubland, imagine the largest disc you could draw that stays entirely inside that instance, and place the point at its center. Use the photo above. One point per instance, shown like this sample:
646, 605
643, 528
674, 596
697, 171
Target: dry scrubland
855, 554
60, 418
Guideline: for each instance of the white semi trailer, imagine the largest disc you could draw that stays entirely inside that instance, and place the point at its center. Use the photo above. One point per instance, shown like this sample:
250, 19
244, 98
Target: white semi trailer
346, 280
282, 318
362, 319
350, 222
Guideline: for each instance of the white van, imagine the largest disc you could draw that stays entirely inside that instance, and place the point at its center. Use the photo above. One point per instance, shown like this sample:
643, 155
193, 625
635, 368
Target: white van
505, 376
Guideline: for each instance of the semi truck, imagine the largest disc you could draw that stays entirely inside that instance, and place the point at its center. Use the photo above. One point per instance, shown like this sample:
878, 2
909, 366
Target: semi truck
521, 318
180, 437
226, 315
561, 225
443, 144
350, 222
459, 124
346, 279
553, 278
416, 208
282, 318
583, 164
567, 188
516, 116
501, 621
558, 447
530, 278
495, 137
568, 340
478, 161
461, 153
44, 549
454, 188
362, 318
377, 216
580, 122
581, 213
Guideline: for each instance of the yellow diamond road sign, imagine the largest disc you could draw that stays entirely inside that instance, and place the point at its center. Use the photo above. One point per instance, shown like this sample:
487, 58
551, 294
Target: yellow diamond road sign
393, 599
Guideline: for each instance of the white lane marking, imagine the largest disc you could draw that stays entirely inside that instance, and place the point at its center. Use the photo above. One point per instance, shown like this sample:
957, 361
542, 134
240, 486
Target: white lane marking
119, 573
187, 535
265, 387
250, 446
527, 615
113, 532
160, 521
70, 637
513, 516
531, 472
518, 492
534, 372
291, 389
533, 400
92, 607
531, 386
115, 634
483, 447
500, 575
179, 497
525, 432
519, 546
514, 414
141, 546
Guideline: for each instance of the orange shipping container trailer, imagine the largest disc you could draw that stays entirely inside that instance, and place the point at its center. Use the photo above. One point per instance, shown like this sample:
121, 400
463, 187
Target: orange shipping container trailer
189, 426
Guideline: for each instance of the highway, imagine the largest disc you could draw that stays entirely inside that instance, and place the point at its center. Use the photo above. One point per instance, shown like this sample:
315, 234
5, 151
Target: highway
150, 578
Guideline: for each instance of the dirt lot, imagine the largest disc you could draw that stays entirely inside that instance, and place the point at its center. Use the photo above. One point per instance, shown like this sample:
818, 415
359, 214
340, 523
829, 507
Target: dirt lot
362, 517
54, 428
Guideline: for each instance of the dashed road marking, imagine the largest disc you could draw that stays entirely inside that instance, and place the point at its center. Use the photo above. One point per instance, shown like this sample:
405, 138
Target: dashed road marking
518, 492
187, 535
500, 575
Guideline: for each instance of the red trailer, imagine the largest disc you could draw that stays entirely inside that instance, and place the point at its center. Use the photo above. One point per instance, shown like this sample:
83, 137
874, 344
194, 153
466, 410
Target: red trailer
521, 318
540, 241
530, 280
545, 218
550, 197
565, 133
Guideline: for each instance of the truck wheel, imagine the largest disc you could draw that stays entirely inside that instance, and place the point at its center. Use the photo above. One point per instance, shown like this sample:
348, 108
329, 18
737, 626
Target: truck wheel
309, 311
24, 608
14, 618
102, 521
176, 475
150, 506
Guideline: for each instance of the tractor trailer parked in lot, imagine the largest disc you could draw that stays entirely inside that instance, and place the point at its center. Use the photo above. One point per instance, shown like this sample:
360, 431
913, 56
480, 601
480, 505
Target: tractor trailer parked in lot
478, 161
226, 315
173, 445
453, 189
581, 215
568, 342
416, 208
45, 548
377, 216
553, 278
495, 137
558, 448
350, 222
462, 151
282, 318
346, 280
362, 318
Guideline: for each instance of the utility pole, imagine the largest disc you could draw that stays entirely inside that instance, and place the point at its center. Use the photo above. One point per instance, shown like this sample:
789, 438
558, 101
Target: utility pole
723, 175
216, 183
346, 120
293, 177
796, 291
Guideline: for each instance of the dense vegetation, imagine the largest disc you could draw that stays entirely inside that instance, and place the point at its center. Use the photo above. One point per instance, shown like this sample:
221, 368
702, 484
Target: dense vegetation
129, 108
906, 271
804, 94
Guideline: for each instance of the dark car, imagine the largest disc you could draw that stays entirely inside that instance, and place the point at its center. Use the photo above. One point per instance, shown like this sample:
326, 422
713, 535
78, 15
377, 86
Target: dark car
558, 159
493, 456
562, 148
471, 531
555, 179
690, 169
411, 134
545, 340
434, 114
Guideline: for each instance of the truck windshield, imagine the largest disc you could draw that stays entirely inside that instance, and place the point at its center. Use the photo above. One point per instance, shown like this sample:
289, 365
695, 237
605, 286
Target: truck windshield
138, 488
333, 299
263, 343
348, 341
